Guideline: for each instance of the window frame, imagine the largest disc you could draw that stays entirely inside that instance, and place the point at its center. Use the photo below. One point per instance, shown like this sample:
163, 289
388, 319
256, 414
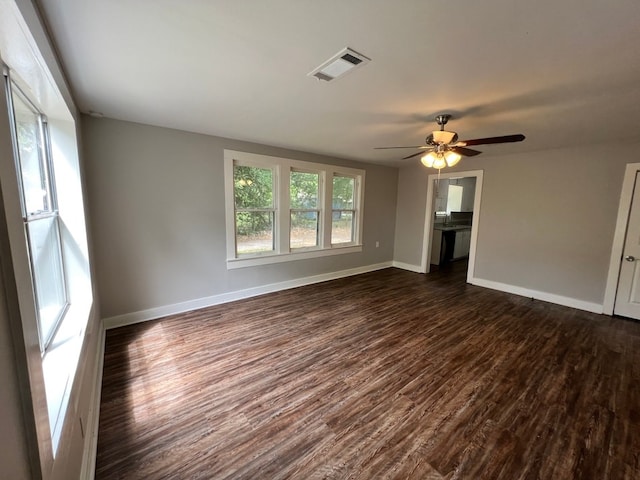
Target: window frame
320, 226
51, 211
282, 168
352, 210
273, 210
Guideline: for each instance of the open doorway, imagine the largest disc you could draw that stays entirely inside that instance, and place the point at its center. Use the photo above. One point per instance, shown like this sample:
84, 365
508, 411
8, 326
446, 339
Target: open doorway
452, 218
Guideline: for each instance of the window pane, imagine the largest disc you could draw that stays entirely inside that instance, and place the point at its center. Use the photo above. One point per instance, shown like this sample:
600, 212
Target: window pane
44, 245
342, 227
343, 188
304, 229
304, 190
454, 198
30, 152
252, 187
254, 232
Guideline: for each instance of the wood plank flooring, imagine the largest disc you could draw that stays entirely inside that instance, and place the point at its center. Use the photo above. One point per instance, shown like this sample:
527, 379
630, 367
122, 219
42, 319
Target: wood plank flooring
386, 375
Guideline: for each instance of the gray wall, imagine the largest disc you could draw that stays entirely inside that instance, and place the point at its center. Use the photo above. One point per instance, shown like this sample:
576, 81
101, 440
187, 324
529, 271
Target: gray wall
156, 200
412, 197
468, 192
14, 458
547, 218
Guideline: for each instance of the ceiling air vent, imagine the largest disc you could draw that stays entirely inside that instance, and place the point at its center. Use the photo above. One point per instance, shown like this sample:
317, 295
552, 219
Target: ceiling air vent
344, 61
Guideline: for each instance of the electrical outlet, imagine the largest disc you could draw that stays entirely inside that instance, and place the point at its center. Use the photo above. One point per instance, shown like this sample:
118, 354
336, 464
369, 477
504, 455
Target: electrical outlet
377, 244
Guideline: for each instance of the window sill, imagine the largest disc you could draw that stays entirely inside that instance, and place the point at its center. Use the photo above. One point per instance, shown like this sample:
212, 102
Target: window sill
59, 365
234, 263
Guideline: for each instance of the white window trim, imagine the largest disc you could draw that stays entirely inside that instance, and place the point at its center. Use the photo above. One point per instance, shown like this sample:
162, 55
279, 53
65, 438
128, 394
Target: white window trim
51, 210
282, 168
318, 209
55, 368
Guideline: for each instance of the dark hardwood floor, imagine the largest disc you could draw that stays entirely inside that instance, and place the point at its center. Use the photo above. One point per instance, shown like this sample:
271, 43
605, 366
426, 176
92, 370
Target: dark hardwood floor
386, 375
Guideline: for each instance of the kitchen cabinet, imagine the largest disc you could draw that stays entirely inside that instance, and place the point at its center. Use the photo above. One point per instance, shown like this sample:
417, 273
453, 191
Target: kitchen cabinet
450, 243
462, 244
436, 247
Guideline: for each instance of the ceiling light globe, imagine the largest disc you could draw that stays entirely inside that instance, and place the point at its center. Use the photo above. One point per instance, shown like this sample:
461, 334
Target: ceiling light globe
452, 158
439, 162
428, 159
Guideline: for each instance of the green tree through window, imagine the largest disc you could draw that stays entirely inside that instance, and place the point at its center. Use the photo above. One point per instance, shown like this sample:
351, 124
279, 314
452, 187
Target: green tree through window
305, 214
254, 209
343, 215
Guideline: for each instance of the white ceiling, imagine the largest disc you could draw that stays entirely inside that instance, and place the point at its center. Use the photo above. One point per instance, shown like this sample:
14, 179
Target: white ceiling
561, 72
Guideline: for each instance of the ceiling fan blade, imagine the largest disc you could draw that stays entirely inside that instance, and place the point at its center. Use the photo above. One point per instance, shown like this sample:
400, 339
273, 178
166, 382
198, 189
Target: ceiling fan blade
467, 152
489, 140
414, 155
415, 146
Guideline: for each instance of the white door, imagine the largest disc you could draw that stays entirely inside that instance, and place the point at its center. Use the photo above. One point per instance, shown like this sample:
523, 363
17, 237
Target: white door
628, 294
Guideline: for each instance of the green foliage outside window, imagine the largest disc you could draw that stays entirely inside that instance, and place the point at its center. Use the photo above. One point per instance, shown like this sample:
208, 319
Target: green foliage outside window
303, 195
253, 190
342, 230
343, 189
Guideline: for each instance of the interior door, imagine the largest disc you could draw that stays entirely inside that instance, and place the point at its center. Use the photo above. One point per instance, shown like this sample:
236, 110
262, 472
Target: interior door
628, 293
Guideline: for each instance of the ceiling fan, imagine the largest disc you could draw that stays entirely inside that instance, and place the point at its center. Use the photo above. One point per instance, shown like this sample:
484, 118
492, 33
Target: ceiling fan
443, 148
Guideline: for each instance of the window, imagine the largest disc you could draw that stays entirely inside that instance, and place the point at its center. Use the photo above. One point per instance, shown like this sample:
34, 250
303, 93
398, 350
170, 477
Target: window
41, 183
454, 198
40, 214
280, 209
343, 212
305, 211
254, 209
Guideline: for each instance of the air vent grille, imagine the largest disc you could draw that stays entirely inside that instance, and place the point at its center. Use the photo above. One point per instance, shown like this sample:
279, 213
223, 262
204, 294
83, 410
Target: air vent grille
341, 63
350, 58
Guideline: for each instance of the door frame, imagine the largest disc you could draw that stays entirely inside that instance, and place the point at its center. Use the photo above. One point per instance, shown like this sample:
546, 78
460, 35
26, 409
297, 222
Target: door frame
425, 264
624, 208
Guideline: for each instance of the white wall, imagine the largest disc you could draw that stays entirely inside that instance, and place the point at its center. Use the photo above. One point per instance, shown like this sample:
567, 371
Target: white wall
546, 221
156, 199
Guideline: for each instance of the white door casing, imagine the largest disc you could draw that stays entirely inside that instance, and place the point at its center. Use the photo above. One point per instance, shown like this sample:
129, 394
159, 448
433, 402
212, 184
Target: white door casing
627, 301
617, 247
428, 221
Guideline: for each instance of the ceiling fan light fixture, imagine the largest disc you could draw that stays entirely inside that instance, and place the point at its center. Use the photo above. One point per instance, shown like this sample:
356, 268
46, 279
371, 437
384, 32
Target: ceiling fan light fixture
440, 160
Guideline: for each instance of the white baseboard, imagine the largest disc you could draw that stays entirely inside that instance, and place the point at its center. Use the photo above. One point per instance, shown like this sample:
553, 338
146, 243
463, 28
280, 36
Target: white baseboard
91, 437
407, 266
158, 312
544, 296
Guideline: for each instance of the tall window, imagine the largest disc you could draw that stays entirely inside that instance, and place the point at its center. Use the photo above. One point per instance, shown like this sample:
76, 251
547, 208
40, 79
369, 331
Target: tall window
39, 211
343, 209
254, 209
278, 209
305, 210
454, 198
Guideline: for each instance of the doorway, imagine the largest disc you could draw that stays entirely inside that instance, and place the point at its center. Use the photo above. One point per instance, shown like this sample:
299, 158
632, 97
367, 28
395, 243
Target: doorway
622, 292
434, 205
